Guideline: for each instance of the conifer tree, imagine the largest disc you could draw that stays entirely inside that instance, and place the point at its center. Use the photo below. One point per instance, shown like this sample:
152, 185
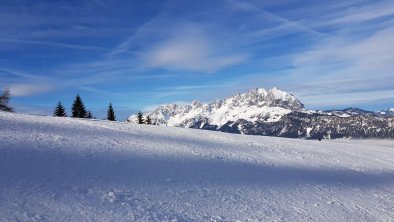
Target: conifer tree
78, 109
59, 110
140, 118
148, 120
111, 113
4, 100
89, 115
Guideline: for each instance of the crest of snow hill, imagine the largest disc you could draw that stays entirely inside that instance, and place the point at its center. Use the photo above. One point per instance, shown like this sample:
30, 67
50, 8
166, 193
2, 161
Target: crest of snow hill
274, 113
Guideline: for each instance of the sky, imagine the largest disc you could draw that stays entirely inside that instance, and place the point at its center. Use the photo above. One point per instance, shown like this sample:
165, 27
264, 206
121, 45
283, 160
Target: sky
141, 54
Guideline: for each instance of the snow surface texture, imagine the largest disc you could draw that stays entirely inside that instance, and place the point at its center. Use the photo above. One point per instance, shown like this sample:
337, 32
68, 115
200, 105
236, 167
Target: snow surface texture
63, 169
256, 104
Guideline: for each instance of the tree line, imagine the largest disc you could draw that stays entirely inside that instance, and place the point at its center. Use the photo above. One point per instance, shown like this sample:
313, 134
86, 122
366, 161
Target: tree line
78, 110
143, 120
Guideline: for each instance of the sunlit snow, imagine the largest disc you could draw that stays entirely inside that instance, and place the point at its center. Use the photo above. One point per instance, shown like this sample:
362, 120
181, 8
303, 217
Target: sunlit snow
63, 169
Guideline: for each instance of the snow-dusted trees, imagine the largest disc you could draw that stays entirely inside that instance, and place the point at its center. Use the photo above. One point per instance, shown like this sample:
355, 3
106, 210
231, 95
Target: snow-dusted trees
78, 109
140, 118
59, 110
110, 113
4, 100
148, 120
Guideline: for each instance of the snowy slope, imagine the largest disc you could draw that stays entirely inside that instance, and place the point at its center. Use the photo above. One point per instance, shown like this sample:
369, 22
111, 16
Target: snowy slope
349, 112
62, 169
388, 112
256, 104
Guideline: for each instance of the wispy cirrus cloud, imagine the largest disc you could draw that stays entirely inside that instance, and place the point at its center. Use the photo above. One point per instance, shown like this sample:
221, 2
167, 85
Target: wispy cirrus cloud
186, 46
28, 89
363, 13
338, 71
360, 58
24, 84
54, 44
262, 13
142, 53
197, 87
190, 49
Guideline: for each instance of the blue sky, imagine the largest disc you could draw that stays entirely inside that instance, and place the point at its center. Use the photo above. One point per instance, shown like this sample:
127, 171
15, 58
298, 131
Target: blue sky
139, 54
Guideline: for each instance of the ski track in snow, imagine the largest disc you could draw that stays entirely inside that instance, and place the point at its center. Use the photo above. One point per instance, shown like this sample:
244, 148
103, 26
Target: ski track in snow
63, 169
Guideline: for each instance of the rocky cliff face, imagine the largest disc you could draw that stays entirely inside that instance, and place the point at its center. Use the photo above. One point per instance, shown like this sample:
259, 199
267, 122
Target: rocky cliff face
274, 113
254, 105
318, 126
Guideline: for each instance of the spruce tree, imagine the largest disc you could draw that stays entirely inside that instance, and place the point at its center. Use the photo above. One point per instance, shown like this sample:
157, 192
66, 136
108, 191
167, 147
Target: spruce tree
4, 100
111, 113
78, 109
59, 110
89, 115
148, 120
140, 118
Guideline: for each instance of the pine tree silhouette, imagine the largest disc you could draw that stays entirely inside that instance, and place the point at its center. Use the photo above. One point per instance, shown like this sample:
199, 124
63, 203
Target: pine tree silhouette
78, 109
4, 100
148, 120
140, 118
89, 115
111, 113
59, 110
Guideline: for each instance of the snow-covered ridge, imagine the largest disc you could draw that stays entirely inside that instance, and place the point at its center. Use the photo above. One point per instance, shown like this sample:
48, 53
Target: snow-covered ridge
348, 112
256, 104
388, 112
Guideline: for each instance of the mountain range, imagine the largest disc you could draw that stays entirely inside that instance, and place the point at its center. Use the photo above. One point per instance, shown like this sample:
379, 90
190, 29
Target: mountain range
274, 113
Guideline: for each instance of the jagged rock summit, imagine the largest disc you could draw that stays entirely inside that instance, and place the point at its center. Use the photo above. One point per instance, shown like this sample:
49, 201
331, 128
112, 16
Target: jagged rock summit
255, 105
274, 113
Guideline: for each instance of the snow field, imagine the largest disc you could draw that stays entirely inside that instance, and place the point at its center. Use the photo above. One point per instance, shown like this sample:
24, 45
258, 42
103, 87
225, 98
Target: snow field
63, 169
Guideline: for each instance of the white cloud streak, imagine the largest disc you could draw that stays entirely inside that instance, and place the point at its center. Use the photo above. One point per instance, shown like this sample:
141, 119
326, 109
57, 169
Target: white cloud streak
54, 44
189, 50
366, 13
28, 83
372, 55
283, 22
28, 89
344, 71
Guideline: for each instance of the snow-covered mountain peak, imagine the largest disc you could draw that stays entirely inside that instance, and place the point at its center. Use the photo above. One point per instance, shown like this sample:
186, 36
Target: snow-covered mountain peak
278, 94
257, 91
261, 97
388, 112
254, 105
196, 103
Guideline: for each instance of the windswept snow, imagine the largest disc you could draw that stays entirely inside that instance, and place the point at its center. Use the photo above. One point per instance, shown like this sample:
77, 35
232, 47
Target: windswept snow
62, 169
